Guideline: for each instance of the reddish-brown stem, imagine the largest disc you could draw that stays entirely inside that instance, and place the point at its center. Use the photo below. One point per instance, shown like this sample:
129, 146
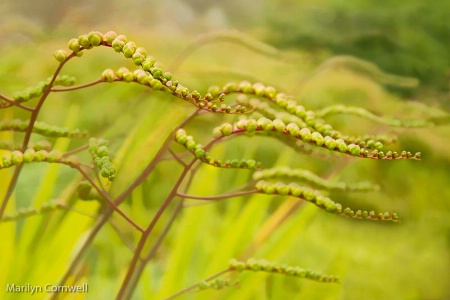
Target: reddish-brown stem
108, 199
217, 197
26, 140
124, 289
14, 103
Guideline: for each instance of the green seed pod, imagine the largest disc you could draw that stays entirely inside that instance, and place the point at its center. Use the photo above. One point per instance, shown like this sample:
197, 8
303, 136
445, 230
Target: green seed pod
199, 153
28, 155
190, 145
84, 41
305, 134
214, 90
156, 72
41, 155
378, 145
258, 88
251, 164
318, 138
167, 75
270, 92
6, 161
268, 189
156, 84
110, 36
250, 125
118, 45
341, 145
230, 87
293, 129
330, 143
16, 157
129, 49
54, 155
138, 58
121, 71
108, 75
128, 76
282, 189
279, 125
102, 151
354, 149
60, 55
95, 38
74, 45
226, 129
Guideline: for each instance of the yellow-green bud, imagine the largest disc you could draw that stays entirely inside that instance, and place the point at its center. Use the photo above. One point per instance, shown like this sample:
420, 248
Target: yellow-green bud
60, 55
74, 45
84, 41
108, 75
16, 157
110, 36
118, 45
95, 38
156, 84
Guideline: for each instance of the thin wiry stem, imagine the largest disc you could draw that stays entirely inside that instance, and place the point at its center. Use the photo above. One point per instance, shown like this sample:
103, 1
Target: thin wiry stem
196, 285
216, 197
26, 140
11, 102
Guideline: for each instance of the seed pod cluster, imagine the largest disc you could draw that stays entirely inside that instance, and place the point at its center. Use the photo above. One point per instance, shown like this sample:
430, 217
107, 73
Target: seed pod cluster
25, 212
264, 124
198, 150
17, 157
261, 265
309, 177
98, 148
321, 201
218, 284
42, 129
38, 90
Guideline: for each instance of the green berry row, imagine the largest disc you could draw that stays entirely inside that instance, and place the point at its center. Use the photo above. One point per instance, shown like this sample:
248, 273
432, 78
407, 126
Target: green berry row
16, 157
38, 90
320, 200
86, 192
264, 124
198, 150
218, 284
40, 145
366, 141
31, 211
98, 148
42, 129
153, 75
261, 265
363, 113
308, 176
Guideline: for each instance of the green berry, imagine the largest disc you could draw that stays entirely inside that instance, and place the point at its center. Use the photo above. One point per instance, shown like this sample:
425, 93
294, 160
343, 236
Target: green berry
84, 41
156, 84
74, 45
95, 38
354, 149
108, 75
28, 155
318, 138
16, 157
250, 125
118, 45
226, 129
110, 36
279, 125
60, 55
330, 143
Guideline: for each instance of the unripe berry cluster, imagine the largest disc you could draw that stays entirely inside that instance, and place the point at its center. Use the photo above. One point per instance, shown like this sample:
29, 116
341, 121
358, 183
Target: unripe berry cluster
218, 284
16, 157
86, 192
261, 265
198, 150
305, 175
38, 90
42, 129
264, 124
320, 200
31, 211
98, 148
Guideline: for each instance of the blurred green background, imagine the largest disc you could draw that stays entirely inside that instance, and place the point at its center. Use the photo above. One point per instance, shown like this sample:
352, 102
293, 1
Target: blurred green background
410, 39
